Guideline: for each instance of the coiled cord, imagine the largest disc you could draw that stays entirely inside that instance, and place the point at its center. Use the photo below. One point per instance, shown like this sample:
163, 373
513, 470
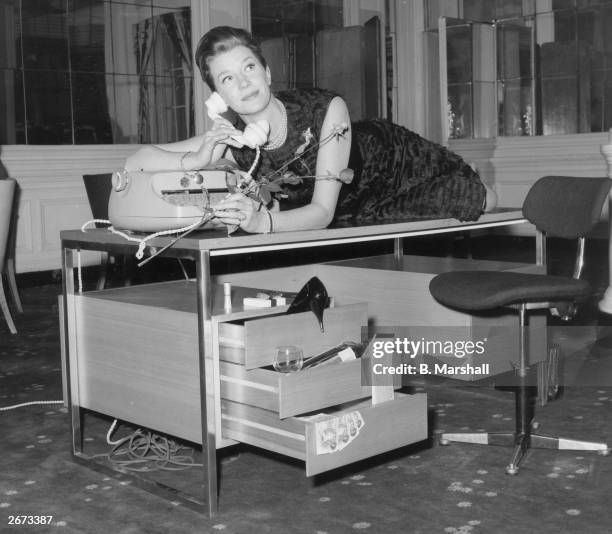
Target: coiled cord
144, 451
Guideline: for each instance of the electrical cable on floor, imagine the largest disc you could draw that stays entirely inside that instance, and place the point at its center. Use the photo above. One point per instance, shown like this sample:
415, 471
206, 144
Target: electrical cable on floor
144, 451
32, 403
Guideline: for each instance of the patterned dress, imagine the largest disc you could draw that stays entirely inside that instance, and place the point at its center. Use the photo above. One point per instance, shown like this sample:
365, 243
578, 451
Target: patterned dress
397, 173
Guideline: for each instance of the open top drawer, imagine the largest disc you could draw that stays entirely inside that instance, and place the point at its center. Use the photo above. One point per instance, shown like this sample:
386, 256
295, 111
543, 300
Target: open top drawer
326, 441
253, 342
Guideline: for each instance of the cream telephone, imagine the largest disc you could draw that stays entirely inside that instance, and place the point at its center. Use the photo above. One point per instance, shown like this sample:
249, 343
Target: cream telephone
152, 202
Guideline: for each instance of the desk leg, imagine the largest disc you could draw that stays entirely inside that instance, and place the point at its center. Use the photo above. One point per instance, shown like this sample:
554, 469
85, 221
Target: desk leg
398, 252
605, 304
207, 398
72, 385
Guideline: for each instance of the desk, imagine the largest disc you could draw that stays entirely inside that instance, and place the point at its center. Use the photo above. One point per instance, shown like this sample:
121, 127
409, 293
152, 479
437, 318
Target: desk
200, 247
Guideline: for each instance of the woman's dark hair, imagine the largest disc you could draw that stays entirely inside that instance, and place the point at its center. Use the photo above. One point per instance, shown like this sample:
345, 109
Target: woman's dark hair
222, 39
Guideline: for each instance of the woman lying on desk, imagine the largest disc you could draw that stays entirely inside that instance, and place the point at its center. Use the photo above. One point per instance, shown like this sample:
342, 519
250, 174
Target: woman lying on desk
397, 173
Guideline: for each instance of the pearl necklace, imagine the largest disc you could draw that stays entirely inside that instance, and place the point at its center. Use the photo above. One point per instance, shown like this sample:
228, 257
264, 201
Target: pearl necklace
281, 136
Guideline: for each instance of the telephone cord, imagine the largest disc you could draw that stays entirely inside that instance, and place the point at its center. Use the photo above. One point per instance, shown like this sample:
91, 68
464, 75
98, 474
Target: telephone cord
142, 242
145, 451
32, 403
255, 162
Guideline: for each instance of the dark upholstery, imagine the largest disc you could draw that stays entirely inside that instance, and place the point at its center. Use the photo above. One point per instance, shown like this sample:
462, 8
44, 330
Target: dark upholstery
559, 206
98, 187
485, 290
566, 206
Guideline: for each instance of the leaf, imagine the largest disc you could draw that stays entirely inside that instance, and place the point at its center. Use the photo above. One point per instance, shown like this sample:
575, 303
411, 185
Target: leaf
265, 195
273, 187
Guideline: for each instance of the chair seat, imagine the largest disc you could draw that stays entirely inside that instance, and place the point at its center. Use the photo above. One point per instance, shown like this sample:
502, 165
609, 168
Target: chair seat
484, 290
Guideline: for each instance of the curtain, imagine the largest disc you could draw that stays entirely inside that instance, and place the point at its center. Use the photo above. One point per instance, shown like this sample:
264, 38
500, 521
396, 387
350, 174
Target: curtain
144, 41
162, 46
121, 80
178, 29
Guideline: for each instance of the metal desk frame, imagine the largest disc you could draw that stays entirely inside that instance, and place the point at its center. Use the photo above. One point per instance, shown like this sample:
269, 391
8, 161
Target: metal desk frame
200, 248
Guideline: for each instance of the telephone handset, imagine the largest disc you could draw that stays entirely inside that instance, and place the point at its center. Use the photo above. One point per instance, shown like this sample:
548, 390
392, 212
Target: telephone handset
216, 106
254, 135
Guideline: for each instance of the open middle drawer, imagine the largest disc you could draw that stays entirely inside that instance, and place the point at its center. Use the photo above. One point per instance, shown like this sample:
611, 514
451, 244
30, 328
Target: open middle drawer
247, 348
293, 393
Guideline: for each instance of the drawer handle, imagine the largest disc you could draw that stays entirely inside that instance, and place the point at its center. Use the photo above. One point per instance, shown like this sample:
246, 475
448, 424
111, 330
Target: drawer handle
267, 428
248, 383
230, 342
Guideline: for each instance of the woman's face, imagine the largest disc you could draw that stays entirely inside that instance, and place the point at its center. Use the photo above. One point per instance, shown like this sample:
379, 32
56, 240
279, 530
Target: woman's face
241, 80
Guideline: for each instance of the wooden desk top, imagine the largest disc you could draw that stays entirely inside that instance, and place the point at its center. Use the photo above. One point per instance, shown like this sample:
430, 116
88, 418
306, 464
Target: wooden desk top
181, 295
218, 243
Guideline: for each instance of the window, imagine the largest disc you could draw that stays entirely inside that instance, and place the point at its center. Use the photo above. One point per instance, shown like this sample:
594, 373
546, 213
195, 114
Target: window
522, 67
95, 71
287, 32
306, 45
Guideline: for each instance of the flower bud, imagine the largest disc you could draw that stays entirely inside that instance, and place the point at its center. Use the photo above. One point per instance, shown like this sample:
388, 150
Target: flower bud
346, 176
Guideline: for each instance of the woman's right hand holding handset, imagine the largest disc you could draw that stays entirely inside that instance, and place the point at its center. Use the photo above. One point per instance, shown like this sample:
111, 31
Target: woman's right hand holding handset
223, 134
214, 143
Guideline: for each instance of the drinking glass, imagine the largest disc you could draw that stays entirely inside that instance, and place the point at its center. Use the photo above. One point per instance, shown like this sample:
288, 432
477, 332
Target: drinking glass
289, 358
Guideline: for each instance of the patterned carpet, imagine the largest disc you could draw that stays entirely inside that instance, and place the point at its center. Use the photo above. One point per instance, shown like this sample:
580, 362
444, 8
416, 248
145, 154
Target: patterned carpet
425, 488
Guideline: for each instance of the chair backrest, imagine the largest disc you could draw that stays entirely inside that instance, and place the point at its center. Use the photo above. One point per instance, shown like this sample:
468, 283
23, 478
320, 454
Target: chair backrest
7, 191
98, 187
566, 206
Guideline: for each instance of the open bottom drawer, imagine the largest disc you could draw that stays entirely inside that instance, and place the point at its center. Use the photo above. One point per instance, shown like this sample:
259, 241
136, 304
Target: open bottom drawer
384, 427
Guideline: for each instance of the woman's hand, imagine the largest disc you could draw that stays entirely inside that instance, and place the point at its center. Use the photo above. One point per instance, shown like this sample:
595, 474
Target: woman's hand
220, 135
238, 209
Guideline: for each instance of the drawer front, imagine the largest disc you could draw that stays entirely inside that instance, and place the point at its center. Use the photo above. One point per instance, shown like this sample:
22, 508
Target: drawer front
254, 343
293, 393
386, 426
263, 428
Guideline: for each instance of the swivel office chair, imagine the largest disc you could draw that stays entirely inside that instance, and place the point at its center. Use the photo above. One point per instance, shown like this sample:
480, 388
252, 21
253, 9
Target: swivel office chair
558, 206
9, 259
7, 191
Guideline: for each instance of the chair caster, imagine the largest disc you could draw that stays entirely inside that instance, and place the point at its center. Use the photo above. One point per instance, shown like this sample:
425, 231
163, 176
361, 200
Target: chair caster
512, 469
444, 441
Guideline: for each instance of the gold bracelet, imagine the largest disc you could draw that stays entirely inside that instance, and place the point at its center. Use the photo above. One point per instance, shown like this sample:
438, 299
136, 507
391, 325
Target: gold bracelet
182, 162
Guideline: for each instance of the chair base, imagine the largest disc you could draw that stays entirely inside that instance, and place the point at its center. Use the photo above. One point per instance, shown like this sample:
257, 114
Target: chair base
5, 309
105, 265
523, 442
125, 264
12, 280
